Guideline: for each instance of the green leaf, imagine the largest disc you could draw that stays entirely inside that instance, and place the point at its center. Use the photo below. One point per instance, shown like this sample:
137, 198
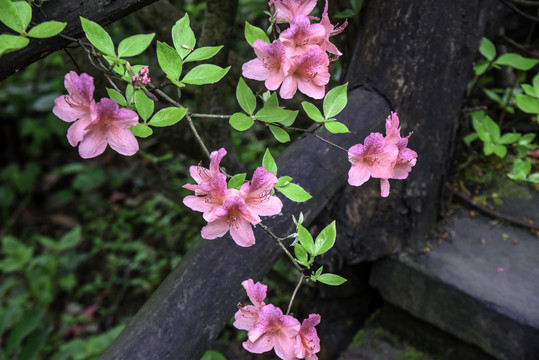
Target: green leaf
47, 29
183, 37
240, 122
509, 138
25, 12
169, 60
70, 239
245, 96
134, 45
33, 344
487, 49
516, 61
493, 129
98, 36
301, 254
500, 150
9, 15
527, 104
312, 111
331, 279
141, 130
294, 192
319, 271
470, 137
481, 67
144, 105
280, 134
306, 240
271, 101
283, 180
521, 169
129, 94
273, 114
326, 239
534, 178
10, 43
335, 101
529, 90
535, 82
116, 96
336, 127
213, 355
252, 33
488, 148
236, 181
268, 162
168, 116
203, 53
205, 74
30, 321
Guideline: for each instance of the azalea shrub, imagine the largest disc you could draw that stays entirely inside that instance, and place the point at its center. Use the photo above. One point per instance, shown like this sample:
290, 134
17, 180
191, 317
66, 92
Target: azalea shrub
298, 59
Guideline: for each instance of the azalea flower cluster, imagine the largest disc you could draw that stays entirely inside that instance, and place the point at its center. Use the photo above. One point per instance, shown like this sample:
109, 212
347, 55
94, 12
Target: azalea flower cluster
268, 328
299, 59
95, 124
231, 209
382, 157
142, 79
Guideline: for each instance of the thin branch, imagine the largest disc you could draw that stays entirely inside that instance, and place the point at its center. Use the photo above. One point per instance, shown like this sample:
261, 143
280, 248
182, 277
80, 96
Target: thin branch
518, 11
301, 277
210, 116
526, 2
279, 240
329, 142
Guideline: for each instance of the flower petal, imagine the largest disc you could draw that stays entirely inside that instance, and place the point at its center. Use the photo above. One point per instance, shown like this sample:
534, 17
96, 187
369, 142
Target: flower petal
242, 232
359, 174
384, 187
215, 229
93, 143
122, 141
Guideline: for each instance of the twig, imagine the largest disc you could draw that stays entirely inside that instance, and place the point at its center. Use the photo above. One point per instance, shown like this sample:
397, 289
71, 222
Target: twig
518, 11
279, 240
526, 2
210, 116
301, 277
329, 142
493, 213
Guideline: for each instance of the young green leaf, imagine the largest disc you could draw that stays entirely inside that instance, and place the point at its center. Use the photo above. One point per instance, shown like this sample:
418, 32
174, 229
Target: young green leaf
529, 90
500, 150
268, 162
487, 49
481, 67
527, 104
167, 116
294, 192
331, 279
252, 33
141, 130
312, 111
336, 127
319, 271
10, 43
521, 169
144, 105
326, 239
98, 36
236, 181
25, 12
183, 37
271, 101
289, 119
70, 239
301, 254
240, 122
47, 29
509, 138
274, 114
134, 45
169, 60
205, 74
280, 134
516, 61
116, 96
283, 180
335, 101
9, 15
245, 96
306, 240
203, 53
535, 82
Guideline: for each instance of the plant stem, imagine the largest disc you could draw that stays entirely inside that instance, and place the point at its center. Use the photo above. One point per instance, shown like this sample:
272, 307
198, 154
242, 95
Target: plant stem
210, 116
301, 277
279, 242
329, 142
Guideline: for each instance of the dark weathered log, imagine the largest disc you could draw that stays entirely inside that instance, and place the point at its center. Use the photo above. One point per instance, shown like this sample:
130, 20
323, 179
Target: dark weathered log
415, 56
102, 12
194, 302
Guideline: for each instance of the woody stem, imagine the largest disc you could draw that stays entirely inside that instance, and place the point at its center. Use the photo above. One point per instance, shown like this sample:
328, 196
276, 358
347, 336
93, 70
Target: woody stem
279, 240
301, 277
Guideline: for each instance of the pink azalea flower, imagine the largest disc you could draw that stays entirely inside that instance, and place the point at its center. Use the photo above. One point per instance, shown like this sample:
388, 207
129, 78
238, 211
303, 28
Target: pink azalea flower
302, 35
271, 64
110, 126
214, 192
393, 131
202, 175
330, 30
273, 330
257, 194
308, 73
288, 9
78, 107
246, 316
307, 340
374, 159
